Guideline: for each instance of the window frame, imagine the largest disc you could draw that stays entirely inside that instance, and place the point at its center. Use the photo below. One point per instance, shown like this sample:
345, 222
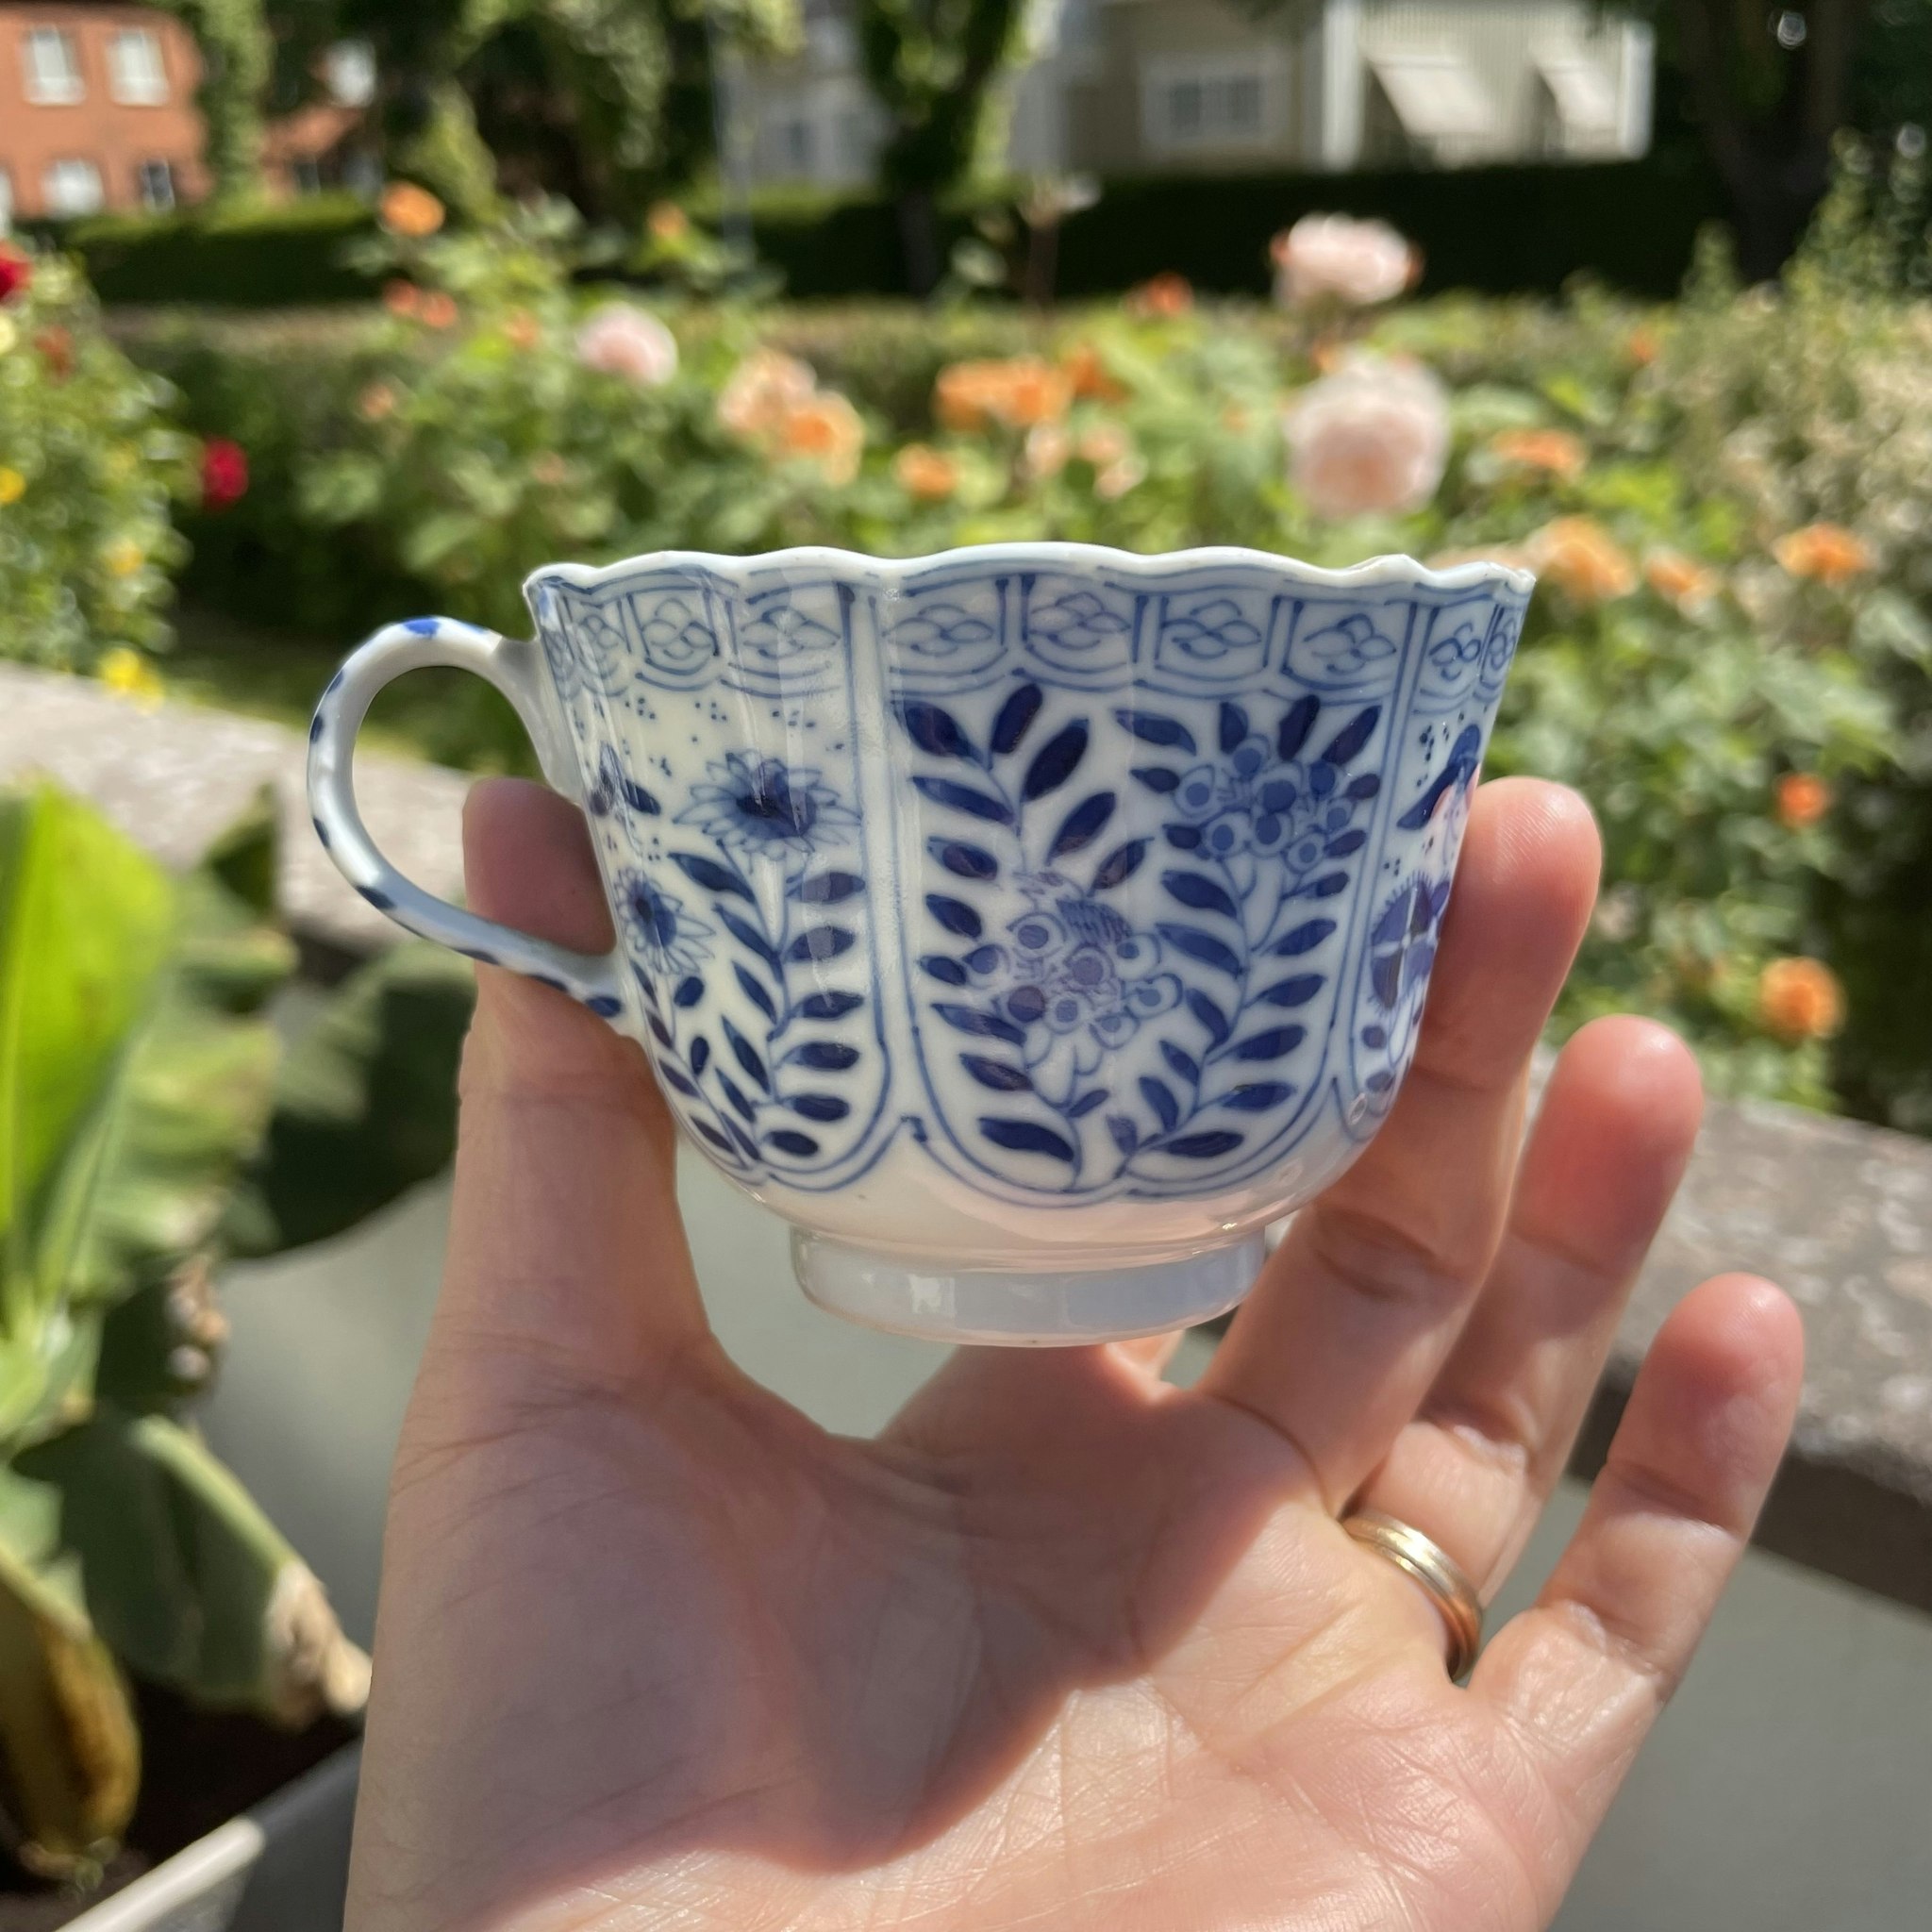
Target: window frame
153, 91
166, 169
51, 168
71, 88
1213, 76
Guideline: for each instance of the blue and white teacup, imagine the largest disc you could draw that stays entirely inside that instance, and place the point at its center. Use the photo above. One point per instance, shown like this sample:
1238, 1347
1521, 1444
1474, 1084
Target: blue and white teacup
1028, 925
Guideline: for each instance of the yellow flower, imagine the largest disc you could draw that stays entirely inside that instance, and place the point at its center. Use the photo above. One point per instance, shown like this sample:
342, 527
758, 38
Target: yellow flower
123, 556
1828, 552
1800, 999
1581, 558
12, 486
410, 210
129, 674
8, 334
1555, 451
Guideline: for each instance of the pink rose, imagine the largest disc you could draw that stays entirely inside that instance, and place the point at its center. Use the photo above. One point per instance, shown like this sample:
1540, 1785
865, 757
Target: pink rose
1373, 437
1336, 258
623, 339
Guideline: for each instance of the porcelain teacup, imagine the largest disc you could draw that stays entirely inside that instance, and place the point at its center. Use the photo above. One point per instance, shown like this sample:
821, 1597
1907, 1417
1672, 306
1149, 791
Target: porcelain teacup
1029, 926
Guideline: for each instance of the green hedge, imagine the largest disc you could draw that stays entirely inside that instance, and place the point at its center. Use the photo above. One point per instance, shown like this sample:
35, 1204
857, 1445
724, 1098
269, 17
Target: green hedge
1514, 230
1517, 230
277, 255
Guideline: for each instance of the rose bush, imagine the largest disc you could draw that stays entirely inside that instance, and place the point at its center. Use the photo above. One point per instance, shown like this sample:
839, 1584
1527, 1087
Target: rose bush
1729, 503
88, 467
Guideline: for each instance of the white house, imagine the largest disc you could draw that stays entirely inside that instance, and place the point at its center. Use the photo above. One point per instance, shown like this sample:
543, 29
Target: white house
1121, 86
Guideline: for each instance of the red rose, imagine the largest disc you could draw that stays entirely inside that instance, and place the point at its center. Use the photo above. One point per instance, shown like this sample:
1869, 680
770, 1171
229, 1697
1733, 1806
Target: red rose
224, 472
16, 272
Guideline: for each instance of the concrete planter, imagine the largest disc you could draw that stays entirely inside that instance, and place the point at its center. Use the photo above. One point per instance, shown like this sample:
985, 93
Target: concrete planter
280, 1868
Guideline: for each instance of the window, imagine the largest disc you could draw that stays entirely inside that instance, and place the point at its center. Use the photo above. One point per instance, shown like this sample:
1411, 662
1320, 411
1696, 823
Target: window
349, 68
1214, 101
797, 149
71, 188
855, 142
155, 181
51, 64
136, 78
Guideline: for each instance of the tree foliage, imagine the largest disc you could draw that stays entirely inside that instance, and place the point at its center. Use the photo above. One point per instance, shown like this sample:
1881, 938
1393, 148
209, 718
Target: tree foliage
566, 95
236, 58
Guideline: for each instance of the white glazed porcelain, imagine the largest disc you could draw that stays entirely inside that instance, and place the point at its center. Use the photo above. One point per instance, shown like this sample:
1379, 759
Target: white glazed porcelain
1029, 926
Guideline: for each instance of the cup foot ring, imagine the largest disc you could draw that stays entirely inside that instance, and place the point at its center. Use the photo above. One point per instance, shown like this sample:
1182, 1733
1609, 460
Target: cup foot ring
1041, 1307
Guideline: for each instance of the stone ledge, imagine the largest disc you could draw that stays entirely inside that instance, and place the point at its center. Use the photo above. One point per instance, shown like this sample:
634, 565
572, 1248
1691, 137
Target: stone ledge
175, 776
1840, 1213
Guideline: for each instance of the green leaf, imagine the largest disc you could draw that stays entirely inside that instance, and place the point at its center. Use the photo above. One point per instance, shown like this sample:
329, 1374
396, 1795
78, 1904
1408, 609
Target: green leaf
366, 1105
86, 919
135, 1079
186, 1579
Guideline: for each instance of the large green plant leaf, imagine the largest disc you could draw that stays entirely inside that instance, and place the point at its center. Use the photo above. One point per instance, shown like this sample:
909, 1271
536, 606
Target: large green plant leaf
184, 1576
365, 1103
135, 1074
86, 921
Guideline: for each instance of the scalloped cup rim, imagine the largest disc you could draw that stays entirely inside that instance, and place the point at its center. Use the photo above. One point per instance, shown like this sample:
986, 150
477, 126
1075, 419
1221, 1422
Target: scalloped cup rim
1391, 568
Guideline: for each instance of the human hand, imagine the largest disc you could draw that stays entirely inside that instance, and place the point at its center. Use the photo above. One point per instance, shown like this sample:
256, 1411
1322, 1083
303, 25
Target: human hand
1065, 1646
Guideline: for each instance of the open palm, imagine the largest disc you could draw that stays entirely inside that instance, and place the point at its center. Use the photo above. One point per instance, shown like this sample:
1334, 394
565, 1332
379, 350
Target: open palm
1065, 1647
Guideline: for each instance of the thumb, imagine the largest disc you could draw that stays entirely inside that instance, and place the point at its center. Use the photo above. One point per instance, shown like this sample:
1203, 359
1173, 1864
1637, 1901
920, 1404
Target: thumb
565, 1248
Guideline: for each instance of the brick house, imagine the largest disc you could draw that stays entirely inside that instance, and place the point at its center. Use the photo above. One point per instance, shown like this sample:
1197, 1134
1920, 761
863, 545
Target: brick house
96, 110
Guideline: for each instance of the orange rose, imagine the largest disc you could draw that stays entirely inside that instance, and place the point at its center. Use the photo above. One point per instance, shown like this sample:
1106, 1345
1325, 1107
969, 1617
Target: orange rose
410, 210
1827, 552
824, 431
1800, 999
1047, 450
762, 390
1678, 581
403, 299
1642, 345
522, 330
377, 403
1017, 392
667, 221
1583, 559
1089, 376
1803, 799
1162, 298
1555, 451
924, 472
437, 310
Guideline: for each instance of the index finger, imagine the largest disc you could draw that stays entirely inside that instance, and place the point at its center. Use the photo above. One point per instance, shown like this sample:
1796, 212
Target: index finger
566, 1247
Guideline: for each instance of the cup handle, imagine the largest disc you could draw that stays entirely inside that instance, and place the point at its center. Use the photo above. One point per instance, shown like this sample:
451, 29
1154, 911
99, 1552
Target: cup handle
593, 979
